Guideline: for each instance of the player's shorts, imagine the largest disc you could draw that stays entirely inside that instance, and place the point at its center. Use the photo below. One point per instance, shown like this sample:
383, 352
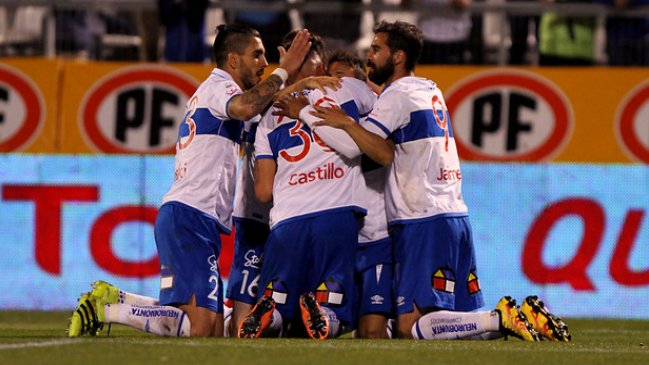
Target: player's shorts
188, 244
312, 254
374, 278
435, 266
249, 240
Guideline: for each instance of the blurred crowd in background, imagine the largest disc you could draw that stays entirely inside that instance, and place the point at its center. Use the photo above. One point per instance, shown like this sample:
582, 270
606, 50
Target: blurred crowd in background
457, 34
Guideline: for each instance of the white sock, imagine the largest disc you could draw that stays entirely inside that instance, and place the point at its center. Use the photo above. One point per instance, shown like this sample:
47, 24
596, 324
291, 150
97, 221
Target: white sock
156, 319
136, 299
447, 325
334, 323
389, 327
227, 318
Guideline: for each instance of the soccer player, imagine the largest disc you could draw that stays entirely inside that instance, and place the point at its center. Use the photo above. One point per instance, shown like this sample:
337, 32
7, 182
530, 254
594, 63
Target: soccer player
373, 270
250, 219
409, 130
374, 253
342, 63
309, 257
198, 207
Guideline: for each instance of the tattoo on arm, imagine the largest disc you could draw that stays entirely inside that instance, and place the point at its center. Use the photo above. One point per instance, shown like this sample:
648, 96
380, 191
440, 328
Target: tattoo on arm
262, 94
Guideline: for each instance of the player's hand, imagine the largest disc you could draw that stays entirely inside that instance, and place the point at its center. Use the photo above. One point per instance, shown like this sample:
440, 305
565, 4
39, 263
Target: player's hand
292, 59
320, 83
290, 106
332, 116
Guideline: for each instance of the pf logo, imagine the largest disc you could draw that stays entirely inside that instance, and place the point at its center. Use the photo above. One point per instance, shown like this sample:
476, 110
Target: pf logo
22, 111
509, 115
136, 110
632, 123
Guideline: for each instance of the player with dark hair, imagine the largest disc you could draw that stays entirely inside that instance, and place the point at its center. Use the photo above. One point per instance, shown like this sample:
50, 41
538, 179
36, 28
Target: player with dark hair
250, 215
410, 132
309, 259
373, 267
343, 63
198, 206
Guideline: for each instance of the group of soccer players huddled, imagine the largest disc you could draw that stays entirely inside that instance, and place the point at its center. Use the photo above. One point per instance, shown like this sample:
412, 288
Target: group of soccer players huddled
344, 192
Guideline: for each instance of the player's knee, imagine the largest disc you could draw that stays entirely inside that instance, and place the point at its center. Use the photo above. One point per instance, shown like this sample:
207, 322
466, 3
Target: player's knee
202, 329
372, 332
404, 330
372, 326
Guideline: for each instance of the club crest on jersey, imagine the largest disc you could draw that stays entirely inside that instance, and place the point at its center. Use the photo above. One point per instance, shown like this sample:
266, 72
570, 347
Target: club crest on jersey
330, 291
444, 280
276, 289
473, 283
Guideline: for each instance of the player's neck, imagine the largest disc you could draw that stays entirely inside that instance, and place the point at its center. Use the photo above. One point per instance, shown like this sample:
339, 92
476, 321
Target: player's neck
397, 74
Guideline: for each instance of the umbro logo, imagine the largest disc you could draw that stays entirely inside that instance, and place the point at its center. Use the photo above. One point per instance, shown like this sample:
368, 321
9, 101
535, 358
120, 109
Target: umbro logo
377, 299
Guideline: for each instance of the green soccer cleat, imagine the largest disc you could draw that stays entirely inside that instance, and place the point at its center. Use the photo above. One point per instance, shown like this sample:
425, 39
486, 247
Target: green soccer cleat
315, 322
514, 323
87, 318
545, 323
258, 319
106, 293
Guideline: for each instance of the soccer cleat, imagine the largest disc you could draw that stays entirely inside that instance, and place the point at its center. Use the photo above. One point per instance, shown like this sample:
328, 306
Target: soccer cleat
87, 318
258, 319
106, 292
545, 323
514, 323
315, 322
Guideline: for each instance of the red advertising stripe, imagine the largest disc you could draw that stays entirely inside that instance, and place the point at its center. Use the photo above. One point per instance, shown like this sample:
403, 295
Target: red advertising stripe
33, 109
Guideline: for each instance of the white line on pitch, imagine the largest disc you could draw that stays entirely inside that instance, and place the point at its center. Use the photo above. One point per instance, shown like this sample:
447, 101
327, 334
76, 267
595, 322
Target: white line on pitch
27, 345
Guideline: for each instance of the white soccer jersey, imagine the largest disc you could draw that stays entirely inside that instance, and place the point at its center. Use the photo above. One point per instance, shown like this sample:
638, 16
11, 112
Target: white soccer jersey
207, 151
375, 223
246, 204
311, 178
424, 179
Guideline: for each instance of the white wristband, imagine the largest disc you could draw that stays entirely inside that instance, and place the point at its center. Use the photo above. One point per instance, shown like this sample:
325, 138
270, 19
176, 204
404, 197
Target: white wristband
282, 73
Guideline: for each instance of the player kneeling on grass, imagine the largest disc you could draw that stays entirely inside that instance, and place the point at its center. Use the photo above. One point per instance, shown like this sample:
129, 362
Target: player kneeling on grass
410, 131
309, 256
198, 206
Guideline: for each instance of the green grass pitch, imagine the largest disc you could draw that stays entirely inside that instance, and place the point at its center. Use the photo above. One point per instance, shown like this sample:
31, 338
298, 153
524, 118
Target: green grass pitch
39, 338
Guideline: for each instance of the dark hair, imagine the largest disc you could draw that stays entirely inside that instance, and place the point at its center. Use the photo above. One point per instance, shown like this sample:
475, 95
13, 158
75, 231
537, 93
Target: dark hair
347, 58
405, 37
231, 38
317, 44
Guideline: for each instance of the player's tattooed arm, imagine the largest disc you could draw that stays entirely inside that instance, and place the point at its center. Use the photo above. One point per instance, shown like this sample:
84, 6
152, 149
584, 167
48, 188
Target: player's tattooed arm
255, 100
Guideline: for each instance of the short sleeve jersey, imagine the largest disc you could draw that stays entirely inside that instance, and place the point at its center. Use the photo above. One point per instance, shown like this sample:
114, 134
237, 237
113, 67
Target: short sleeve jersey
311, 178
207, 151
424, 179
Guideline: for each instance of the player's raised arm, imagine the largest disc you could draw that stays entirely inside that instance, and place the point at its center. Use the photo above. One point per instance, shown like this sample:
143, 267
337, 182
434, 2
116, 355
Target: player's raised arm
256, 99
